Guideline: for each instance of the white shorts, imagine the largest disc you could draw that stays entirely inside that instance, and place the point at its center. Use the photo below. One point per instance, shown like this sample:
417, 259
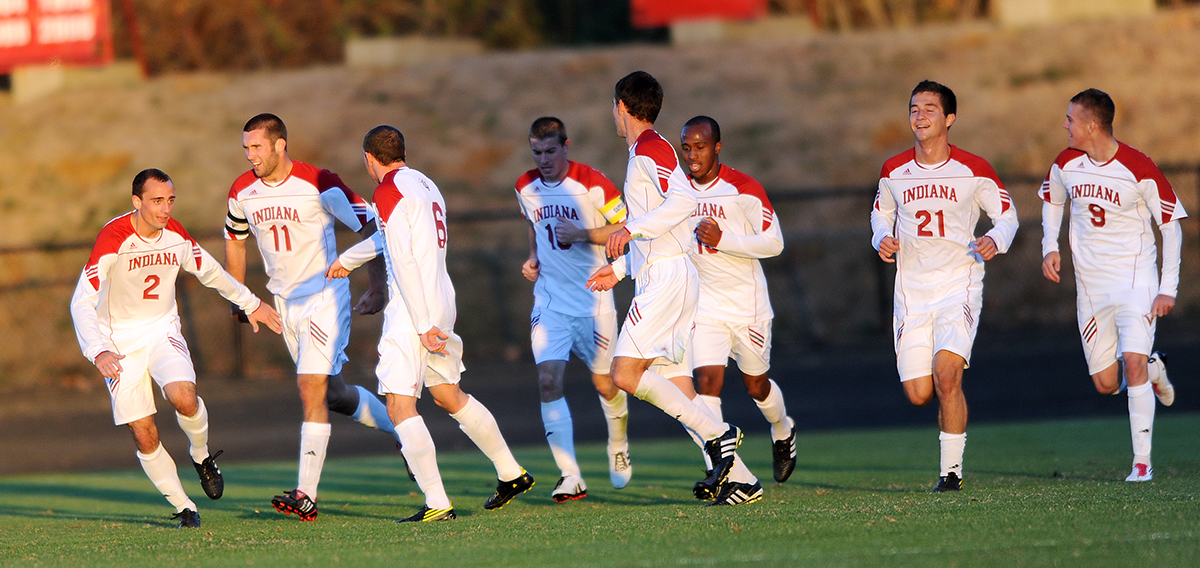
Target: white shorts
918, 337
663, 312
405, 365
1112, 324
749, 344
316, 328
555, 336
165, 360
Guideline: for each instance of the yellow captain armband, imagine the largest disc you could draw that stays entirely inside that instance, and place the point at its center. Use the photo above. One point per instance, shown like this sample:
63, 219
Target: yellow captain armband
614, 210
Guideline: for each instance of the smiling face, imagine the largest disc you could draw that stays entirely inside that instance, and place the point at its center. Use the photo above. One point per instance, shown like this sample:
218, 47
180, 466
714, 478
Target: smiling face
264, 156
551, 157
1080, 127
700, 153
926, 117
154, 207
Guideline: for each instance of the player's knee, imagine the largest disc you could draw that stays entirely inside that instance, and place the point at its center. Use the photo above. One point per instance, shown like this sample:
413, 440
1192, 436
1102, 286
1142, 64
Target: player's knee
757, 386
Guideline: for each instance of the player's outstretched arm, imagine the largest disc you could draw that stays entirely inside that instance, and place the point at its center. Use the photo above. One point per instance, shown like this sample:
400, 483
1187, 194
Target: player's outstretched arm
603, 279
568, 233
267, 316
375, 298
336, 270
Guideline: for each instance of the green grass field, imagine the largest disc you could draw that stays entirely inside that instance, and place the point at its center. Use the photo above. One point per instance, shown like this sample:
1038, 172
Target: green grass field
1036, 494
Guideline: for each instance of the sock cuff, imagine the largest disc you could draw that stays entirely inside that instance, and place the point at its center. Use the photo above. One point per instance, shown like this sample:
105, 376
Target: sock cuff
152, 455
711, 401
201, 411
556, 410
466, 409
618, 403
947, 436
772, 396
1140, 390
315, 429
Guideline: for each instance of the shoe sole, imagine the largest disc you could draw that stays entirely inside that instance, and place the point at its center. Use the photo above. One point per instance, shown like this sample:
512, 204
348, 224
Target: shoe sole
564, 497
290, 510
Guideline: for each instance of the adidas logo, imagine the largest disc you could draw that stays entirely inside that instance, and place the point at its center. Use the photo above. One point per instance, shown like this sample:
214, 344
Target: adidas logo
906, 172
310, 453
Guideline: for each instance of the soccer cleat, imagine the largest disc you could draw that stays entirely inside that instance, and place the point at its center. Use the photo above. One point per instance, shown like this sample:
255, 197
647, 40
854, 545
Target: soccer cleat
720, 452
427, 515
407, 469
949, 482
783, 456
1141, 472
295, 501
210, 476
619, 467
569, 488
188, 519
506, 490
734, 493
1162, 387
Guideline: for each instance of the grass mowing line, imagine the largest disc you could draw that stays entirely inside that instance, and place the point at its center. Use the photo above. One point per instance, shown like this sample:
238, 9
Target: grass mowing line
857, 498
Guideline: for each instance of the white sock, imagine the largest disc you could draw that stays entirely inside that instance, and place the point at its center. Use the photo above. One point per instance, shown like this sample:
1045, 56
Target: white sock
774, 410
196, 428
616, 414
160, 468
314, 438
952, 452
480, 426
1141, 421
560, 433
417, 446
660, 392
372, 412
739, 473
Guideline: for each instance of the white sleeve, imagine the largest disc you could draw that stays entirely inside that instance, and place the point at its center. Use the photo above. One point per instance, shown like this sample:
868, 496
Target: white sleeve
363, 252
212, 275
994, 200
1172, 245
675, 209
762, 243
883, 214
405, 271
83, 313
620, 266
1052, 218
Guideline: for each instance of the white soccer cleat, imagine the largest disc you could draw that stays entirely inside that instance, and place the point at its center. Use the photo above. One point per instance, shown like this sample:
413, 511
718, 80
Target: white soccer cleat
1163, 388
620, 470
1141, 472
569, 488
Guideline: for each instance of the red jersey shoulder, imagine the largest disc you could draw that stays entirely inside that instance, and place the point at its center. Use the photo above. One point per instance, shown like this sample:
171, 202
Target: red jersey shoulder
1066, 156
528, 178
652, 145
893, 163
978, 166
387, 195
590, 177
242, 182
111, 236
1139, 164
745, 185
177, 228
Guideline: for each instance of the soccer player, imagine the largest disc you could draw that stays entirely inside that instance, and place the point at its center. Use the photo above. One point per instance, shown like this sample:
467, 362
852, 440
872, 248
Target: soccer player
924, 221
127, 324
735, 226
654, 339
567, 317
418, 346
290, 207
1115, 190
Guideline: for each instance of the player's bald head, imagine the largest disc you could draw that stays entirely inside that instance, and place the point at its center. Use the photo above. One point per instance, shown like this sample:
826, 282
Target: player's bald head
1099, 107
272, 125
139, 181
385, 143
711, 123
642, 95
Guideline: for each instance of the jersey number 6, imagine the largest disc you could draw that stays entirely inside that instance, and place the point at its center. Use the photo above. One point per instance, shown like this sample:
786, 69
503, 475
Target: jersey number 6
440, 224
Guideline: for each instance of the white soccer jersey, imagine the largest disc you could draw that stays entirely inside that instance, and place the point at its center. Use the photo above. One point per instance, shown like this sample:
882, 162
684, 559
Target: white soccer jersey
292, 222
658, 199
412, 236
1112, 245
586, 198
932, 212
732, 285
126, 293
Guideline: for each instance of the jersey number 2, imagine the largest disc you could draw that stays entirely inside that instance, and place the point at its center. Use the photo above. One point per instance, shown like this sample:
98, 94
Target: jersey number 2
148, 293
926, 218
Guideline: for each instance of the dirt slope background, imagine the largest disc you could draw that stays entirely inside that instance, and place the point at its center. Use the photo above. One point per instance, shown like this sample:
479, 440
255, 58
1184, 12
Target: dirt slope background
802, 116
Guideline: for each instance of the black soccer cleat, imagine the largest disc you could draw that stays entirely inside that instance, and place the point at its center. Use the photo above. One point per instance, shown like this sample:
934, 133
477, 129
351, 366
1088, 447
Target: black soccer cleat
295, 501
783, 457
949, 482
188, 519
734, 493
427, 515
507, 490
210, 476
720, 452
